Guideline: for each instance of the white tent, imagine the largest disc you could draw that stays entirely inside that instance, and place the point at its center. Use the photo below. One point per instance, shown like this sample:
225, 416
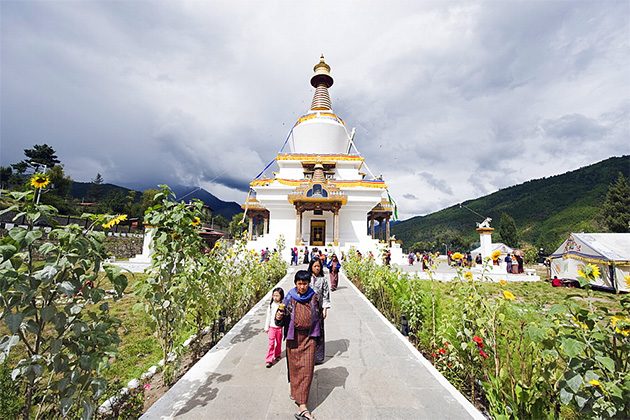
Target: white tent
609, 251
495, 245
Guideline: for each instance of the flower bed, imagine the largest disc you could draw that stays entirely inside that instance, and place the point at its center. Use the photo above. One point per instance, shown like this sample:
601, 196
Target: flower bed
523, 351
65, 321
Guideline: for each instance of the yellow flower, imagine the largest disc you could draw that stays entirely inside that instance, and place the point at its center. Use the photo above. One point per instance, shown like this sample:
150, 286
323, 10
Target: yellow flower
595, 382
468, 275
594, 270
589, 272
457, 256
39, 181
114, 221
508, 295
503, 282
623, 329
196, 221
627, 279
580, 324
495, 254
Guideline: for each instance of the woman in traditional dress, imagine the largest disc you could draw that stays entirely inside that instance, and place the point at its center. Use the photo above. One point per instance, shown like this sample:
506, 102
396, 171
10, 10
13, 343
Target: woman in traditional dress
333, 267
322, 288
302, 331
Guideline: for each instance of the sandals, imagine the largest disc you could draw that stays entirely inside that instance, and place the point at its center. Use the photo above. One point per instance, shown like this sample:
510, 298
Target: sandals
305, 415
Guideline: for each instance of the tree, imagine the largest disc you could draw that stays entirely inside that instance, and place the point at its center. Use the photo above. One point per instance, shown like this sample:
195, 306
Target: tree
20, 167
41, 155
96, 189
5, 176
237, 226
507, 230
616, 207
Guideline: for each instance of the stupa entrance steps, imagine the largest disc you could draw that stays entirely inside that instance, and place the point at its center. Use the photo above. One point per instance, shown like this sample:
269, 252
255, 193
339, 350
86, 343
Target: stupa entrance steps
370, 371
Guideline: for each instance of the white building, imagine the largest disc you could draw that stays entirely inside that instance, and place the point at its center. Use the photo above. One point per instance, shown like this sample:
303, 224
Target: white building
320, 196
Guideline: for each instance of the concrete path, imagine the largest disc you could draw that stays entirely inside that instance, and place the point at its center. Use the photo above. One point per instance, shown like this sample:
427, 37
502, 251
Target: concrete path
370, 371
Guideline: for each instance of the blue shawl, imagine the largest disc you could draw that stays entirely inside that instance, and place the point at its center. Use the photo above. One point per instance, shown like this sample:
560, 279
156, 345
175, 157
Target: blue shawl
305, 298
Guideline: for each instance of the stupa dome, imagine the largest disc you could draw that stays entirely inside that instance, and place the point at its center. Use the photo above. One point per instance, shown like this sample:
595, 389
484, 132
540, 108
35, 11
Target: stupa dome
320, 130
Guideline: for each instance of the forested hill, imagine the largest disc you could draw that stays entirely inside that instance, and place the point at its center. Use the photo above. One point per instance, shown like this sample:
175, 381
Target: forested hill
545, 210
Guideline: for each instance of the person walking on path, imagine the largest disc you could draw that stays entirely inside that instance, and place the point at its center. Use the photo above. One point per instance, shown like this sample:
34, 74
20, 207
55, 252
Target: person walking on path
301, 321
322, 288
273, 330
306, 254
333, 267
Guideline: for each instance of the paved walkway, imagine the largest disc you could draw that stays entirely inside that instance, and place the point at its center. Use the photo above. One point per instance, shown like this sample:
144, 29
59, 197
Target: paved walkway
370, 371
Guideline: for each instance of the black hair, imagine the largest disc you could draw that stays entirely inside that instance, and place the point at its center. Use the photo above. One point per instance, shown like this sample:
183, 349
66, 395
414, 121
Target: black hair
310, 267
302, 275
279, 290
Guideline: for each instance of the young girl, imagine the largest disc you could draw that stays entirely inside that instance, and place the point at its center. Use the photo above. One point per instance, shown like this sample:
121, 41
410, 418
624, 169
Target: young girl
274, 331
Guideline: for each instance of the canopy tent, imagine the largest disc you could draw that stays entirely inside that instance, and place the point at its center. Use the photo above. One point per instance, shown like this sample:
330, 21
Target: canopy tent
609, 251
498, 245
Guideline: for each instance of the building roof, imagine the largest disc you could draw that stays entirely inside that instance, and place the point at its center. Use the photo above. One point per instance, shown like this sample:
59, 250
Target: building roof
605, 246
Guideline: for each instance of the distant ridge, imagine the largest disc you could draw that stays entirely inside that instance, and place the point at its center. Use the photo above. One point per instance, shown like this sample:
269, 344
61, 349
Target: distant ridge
545, 210
227, 209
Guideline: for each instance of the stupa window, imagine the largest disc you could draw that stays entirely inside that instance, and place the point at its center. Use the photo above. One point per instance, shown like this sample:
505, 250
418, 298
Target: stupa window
317, 191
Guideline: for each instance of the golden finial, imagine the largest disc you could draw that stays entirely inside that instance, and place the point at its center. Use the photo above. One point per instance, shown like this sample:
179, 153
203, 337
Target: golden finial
322, 74
321, 81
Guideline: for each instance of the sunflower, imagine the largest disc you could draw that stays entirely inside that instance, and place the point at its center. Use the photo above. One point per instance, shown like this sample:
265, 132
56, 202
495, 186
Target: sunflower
595, 382
624, 328
495, 254
196, 221
589, 272
508, 295
503, 282
468, 275
114, 221
457, 256
39, 181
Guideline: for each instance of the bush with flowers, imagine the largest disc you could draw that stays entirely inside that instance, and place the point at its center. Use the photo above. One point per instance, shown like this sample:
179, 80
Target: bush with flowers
188, 288
512, 357
52, 304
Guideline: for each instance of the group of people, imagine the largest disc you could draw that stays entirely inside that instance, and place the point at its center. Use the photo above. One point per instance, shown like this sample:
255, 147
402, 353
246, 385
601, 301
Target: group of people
299, 317
426, 258
514, 263
265, 254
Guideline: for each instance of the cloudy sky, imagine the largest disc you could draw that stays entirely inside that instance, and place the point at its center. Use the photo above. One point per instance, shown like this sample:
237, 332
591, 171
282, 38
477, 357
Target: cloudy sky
451, 100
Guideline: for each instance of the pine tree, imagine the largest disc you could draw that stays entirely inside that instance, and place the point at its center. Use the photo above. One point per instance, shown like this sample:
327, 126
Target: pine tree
507, 230
616, 207
41, 155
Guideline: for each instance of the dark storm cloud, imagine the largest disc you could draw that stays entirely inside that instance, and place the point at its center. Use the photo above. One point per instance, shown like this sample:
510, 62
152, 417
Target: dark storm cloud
450, 99
438, 184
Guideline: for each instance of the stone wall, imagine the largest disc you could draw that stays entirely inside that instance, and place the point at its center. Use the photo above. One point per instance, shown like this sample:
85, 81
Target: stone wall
116, 246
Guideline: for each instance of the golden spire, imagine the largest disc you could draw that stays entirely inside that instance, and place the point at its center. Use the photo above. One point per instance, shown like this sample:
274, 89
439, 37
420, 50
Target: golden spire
321, 81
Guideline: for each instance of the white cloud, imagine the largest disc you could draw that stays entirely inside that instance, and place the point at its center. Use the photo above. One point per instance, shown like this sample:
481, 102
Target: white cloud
451, 100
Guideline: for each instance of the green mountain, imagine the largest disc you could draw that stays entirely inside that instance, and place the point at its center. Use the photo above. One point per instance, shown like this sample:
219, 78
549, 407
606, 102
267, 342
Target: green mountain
545, 210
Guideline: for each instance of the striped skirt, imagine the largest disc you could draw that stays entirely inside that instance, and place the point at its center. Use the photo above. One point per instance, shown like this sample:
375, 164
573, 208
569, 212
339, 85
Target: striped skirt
301, 363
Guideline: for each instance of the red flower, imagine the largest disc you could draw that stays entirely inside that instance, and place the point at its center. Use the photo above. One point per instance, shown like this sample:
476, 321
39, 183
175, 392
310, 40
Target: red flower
442, 351
483, 354
478, 340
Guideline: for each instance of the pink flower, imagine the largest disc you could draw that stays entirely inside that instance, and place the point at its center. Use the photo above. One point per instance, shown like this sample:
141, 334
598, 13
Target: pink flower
147, 386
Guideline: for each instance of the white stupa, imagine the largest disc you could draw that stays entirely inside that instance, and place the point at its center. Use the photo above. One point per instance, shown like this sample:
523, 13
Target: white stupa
319, 197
